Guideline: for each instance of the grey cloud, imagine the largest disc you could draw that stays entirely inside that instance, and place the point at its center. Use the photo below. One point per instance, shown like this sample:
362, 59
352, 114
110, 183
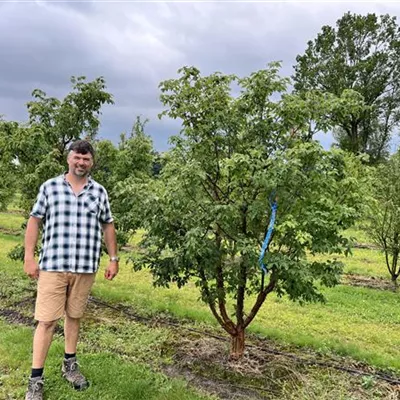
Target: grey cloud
137, 45
39, 44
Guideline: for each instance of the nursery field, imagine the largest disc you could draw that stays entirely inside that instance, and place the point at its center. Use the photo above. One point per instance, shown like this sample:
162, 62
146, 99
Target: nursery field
141, 342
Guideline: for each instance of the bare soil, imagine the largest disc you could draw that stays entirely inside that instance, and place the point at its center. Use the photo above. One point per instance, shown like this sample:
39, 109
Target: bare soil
371, 282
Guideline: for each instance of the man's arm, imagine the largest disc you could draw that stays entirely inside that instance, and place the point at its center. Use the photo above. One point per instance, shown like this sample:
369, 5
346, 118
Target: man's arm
110, 239
31, 267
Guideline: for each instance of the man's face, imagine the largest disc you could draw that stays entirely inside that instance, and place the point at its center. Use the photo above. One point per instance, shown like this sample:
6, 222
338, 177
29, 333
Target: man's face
79, 164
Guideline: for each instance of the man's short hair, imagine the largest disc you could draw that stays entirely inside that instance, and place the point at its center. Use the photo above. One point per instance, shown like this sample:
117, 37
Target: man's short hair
81, 147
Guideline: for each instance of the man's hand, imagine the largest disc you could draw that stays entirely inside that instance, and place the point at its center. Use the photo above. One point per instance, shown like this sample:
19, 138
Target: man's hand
31, 268
111, 271
110, 239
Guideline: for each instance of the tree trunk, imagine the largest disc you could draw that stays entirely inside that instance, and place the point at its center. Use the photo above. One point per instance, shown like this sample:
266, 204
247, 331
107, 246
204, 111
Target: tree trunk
237, 344
354, 138
394, 273
394, 281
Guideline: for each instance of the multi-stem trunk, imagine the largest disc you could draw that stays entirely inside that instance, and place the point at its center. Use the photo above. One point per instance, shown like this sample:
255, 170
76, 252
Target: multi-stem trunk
236, 331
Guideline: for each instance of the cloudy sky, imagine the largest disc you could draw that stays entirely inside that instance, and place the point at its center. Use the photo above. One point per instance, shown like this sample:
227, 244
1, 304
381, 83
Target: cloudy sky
135, 45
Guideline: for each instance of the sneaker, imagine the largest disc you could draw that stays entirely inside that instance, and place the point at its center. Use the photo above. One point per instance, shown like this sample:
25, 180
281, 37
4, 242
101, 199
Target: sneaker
71, 372
35, 389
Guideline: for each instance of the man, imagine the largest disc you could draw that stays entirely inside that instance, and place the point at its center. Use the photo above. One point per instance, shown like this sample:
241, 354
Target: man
74, 210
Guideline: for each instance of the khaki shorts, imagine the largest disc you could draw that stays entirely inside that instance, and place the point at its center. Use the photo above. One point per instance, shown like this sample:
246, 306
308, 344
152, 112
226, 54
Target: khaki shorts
60, 292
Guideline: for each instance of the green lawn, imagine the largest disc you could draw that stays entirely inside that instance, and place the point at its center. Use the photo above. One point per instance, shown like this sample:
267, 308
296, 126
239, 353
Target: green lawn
359, 235
11, 221
363, 262
110, 375
14, 205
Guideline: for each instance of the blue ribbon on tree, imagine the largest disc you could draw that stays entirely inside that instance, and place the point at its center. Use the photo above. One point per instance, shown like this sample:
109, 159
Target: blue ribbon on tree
274, 208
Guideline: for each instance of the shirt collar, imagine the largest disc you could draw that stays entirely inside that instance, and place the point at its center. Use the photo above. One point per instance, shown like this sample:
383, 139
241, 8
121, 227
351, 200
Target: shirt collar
88, 184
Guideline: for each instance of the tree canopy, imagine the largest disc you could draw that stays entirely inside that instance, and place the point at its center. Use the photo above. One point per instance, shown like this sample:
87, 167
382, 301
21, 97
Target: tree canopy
361, 54
383, 222
207, 214
40, 145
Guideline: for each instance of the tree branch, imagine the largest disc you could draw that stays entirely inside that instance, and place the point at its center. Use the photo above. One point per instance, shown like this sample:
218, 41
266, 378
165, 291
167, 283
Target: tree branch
242, 275
211, 302
260, 299
220, 286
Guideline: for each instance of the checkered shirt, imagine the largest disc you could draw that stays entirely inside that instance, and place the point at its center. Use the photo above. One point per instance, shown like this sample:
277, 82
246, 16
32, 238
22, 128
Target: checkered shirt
71, 239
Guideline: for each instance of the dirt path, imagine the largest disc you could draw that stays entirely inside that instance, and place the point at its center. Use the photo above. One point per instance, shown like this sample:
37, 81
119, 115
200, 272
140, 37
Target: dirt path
371, 282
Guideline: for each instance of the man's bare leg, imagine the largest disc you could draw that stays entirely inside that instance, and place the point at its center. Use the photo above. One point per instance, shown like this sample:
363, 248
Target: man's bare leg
41, 342
71, 333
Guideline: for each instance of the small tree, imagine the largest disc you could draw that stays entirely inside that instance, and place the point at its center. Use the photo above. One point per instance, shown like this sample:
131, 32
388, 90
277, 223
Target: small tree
384, 216
206, 216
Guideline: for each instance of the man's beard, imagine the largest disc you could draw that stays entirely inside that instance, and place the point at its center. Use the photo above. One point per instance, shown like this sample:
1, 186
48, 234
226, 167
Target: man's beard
81, 172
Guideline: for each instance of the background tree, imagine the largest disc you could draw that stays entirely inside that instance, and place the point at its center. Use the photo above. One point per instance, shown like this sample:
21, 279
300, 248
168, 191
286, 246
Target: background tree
136, 155
8, 167
123, 170
206, 216
362, 54
105, 164
159, 160
320, 111
384, 215
40, 145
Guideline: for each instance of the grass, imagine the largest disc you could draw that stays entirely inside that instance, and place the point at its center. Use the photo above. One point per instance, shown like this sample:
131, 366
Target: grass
14, 205
11, 221
111, 376
361, 323
359, 234
288, 381
116, 354
363, 262
358, 322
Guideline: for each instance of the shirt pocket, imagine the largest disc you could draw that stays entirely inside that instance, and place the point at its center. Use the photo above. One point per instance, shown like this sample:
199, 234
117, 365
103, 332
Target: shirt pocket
92, 205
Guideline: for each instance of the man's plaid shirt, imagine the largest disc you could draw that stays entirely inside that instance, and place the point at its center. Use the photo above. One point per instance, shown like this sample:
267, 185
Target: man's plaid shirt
71, 238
